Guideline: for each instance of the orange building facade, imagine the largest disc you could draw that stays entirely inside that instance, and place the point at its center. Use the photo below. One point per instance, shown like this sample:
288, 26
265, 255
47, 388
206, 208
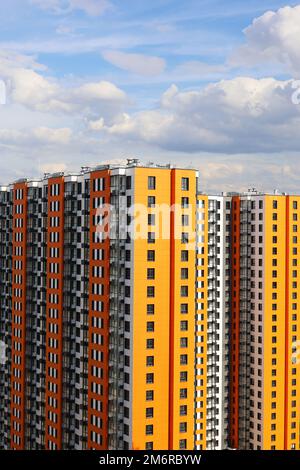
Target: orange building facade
138, 313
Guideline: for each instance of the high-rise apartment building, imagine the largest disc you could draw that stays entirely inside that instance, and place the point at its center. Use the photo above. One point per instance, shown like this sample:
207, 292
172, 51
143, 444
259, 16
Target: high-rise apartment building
212, 321
265, 373
98, 297
138, 313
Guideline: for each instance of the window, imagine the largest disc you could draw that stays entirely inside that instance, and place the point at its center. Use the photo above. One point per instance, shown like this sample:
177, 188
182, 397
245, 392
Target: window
150, 326
184, 255
19, 194
54, 189
183, 326
149, 378
184, 237
127, 292
182, 444
150, 309
182, 427
184, 202
127, 309
150, 343
151, 182
275, 205
99, 184
149, 395
150, 361
183, 359
183, 342
149, 412
184, 273
151, 255
184, 220
184, 291
128, 182
151, 219
183, 376
184, 308
150, 291
151, 201
127, 273
184, 184
150, 273
151, 237
149, 429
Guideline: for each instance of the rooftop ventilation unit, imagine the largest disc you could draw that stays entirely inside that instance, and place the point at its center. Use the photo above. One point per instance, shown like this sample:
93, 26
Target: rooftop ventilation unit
133, 161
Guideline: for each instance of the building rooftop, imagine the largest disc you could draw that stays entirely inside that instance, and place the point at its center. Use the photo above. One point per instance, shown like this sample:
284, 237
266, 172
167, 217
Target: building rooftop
130, 163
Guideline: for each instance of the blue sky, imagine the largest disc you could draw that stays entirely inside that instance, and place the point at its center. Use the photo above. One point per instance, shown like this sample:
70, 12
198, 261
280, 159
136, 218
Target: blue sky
73, 42
169, 80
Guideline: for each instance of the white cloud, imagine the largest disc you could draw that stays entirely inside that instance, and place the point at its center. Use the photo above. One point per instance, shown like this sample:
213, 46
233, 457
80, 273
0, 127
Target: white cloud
139, 64
64, 29
96, 125
199, 70
11, 136
57, 136
36, 136
54, 5
232, 116
90, 7
103, 91
274, 37
59, 125
26, 86
53, 167
13, 59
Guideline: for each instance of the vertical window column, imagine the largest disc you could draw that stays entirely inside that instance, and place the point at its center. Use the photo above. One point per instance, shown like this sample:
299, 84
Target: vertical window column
54, 315
18, 366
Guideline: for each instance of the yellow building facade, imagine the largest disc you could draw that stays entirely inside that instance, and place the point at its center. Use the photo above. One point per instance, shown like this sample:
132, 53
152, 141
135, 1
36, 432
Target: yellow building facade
270, 362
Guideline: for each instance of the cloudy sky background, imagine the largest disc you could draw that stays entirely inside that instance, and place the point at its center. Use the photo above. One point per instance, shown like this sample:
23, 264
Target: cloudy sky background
205, 83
